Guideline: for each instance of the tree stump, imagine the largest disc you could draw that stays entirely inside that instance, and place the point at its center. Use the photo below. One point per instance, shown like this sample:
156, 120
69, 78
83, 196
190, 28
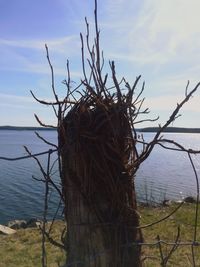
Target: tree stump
98, 186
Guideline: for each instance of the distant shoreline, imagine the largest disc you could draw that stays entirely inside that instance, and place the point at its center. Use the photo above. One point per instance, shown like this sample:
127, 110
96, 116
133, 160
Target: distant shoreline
170, 130
143, 130
26, 128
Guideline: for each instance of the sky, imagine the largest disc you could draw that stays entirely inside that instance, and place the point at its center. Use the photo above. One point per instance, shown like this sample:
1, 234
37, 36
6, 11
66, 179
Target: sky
157, 39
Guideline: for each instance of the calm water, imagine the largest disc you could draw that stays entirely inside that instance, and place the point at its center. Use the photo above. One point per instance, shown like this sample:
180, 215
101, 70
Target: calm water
22, 197
165, 174
168, 174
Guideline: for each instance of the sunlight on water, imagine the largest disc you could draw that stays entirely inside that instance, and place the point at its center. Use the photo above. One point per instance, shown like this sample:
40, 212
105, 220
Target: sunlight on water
168, 174
165, 174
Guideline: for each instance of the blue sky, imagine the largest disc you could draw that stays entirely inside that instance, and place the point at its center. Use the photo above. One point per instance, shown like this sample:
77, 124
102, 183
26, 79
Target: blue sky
155, 38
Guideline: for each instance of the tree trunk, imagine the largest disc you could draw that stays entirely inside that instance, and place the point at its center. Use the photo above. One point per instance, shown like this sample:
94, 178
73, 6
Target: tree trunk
100, 203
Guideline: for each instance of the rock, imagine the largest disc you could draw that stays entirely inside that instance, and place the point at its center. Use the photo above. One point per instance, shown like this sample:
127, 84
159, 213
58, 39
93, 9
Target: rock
166, 203
32, 223
6, 230
178, 201
17, 224
21, 224
190, 200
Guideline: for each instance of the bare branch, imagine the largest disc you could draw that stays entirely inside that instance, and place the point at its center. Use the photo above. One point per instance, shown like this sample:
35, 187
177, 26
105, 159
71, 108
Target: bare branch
52, 74
43, 102
43, 124
27, 157
45, 141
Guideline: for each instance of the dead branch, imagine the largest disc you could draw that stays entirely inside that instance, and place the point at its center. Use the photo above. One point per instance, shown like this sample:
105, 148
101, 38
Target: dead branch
45, 141
43, 124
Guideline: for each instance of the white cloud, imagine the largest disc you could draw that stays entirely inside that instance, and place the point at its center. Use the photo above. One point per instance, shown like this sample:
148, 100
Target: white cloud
177, 18
169, 102
42, 68
155, 32
160, 39
22, 102
58, 45
32, 56
20, 110
15, 99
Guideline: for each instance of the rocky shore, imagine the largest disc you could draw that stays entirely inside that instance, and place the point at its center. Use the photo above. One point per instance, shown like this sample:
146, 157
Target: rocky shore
14, 225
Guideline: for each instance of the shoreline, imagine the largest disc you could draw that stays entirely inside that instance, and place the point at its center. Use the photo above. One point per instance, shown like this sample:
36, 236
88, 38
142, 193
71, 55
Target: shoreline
36, 222
11, 227
140, 130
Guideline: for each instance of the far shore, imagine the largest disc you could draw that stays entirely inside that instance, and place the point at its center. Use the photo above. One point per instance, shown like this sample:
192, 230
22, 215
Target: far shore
142, 130
170, 130
26, 128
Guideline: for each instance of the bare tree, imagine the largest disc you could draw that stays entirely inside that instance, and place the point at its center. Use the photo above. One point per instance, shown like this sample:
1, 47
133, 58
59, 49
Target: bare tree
98, 160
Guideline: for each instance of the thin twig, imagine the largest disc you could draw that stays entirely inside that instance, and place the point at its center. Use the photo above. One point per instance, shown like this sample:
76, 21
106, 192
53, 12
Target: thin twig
197, 200
29, 156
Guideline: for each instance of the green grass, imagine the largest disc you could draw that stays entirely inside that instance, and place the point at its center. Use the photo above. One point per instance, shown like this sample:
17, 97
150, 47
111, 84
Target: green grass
167, 231
23, 249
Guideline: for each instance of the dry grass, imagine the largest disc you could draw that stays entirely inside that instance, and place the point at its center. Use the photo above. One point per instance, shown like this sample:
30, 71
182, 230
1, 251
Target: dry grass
23, 249
167, 230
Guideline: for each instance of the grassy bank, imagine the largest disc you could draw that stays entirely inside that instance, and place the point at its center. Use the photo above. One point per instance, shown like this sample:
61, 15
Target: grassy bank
167, 231
23, 249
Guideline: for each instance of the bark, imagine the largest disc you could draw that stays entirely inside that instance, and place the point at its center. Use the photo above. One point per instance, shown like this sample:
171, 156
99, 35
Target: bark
100, 203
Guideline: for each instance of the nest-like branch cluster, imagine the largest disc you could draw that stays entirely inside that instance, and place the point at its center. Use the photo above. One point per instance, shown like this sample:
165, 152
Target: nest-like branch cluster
98, 135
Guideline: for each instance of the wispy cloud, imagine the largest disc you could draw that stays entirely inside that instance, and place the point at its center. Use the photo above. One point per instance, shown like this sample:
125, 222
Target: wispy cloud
29, 55
158, 39
16, 100
21, 101
58, 45
19, 110
155, 32
169, 102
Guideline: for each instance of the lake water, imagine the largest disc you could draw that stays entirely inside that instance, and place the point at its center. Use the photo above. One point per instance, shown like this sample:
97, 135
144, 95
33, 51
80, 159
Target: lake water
165, 174
22, 197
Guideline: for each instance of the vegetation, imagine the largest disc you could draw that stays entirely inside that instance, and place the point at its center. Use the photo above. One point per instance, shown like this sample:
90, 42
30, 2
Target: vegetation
98, 158
24, 248
167, 231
